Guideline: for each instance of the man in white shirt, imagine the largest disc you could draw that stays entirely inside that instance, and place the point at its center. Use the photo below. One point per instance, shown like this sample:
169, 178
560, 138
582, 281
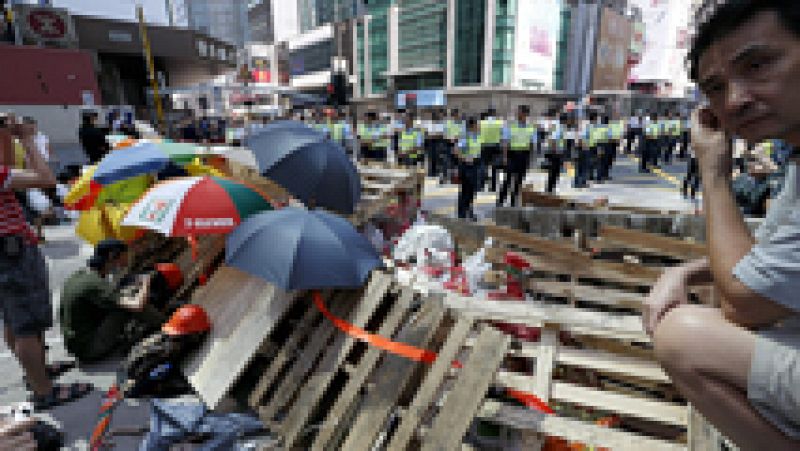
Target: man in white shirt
740, 365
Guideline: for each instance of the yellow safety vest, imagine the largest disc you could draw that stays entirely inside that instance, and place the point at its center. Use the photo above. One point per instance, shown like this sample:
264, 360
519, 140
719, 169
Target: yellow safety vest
453, 129
473, 148
598, 135
521, 137
491, 131
652, 130
408, 143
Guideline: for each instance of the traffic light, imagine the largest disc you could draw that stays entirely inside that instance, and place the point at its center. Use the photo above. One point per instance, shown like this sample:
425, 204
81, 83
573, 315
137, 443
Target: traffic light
338, 89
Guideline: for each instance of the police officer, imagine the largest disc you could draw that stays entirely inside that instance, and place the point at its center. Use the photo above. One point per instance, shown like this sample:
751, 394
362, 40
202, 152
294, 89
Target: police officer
491, 130
560, 141
652, 136
598, 137
673, 136
468, 154
340, 129
364, 131
633, 132
583, 153
453, 130
519, 139
410, 143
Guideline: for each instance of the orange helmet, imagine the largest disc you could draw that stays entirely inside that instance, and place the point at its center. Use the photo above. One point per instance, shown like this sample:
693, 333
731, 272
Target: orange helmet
189, 319
172, 274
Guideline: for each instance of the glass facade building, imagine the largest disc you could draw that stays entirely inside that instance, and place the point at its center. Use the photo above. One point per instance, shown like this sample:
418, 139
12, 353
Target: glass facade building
422, 34
469, 42
260, 20
223, 19
503, 46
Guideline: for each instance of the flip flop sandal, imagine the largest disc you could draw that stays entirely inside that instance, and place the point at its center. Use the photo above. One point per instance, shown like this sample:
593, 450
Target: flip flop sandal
61, 394
56, 369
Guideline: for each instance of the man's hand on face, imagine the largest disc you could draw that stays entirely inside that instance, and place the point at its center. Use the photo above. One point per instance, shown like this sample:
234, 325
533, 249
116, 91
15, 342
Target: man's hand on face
711, 145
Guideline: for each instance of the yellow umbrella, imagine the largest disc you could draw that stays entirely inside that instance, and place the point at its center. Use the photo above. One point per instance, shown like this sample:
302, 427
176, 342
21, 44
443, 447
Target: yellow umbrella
197, 169
113, 215
93, 227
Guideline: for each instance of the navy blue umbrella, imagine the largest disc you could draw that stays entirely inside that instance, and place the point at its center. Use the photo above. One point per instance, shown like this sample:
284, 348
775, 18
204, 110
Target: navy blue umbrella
308, 165
297, 249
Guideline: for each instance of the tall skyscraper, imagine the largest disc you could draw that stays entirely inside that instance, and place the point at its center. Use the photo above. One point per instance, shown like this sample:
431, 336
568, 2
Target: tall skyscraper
223, 19
261, 21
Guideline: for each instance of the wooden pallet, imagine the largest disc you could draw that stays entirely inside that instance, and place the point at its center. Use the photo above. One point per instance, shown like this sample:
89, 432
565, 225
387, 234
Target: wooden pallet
593, 352
322, 390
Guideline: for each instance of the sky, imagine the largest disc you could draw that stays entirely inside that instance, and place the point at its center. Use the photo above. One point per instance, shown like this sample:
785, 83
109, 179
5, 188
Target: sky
154, 10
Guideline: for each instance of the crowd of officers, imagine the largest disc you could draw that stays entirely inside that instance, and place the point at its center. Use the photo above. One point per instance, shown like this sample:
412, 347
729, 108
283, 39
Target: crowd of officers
474, 150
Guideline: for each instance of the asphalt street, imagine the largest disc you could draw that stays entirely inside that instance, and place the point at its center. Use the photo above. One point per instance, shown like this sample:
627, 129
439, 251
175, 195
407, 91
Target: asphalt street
658, 190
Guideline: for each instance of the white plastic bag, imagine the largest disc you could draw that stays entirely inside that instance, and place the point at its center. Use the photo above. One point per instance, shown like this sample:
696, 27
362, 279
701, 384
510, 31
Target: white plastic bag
475, 266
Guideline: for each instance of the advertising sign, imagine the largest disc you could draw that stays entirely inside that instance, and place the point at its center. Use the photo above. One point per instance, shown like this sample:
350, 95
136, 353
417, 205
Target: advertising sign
45, 25
536, 44
424, 98
611, 58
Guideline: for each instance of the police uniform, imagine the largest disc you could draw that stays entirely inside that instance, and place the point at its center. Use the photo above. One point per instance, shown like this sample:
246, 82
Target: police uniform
520, 139
410, 143
561, 141
652, 136
598, 145
468, 151
491, 131
453, 132
582, 158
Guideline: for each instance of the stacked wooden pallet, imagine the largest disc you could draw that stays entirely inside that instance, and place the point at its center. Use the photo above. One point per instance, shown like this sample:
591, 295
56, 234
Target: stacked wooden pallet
593, 360
321, 389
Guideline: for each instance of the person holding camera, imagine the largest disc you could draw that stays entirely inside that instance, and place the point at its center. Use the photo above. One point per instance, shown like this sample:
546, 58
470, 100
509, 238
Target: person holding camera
25, 301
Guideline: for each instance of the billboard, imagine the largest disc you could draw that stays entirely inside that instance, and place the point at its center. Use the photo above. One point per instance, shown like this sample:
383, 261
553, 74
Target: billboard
664, 45
424, 98
610, 70
536, 43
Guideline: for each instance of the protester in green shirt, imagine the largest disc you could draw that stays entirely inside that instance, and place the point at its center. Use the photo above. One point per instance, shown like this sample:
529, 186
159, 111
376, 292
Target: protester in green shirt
94, 310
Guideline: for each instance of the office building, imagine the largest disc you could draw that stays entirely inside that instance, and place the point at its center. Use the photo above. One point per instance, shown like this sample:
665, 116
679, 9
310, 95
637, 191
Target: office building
261, 23
223, 19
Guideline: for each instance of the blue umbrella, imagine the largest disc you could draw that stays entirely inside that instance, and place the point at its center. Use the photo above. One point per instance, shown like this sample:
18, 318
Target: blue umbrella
308, 165
297, 249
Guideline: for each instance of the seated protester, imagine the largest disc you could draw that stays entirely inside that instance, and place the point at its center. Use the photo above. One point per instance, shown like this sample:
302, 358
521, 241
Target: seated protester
739, 365
95, 312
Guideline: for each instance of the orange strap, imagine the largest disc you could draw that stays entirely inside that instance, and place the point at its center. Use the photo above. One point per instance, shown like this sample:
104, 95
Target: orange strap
414, 353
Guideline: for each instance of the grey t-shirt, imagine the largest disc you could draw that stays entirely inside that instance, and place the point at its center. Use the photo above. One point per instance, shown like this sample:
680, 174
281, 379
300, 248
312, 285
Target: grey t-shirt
772, 268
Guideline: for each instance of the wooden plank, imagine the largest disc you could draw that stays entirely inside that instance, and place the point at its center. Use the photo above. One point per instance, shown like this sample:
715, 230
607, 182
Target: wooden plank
282, 357
653, 242
561, 250
586, 293
660, 411
625, 327
424, 396
363, 370
318, 382
591, 435
545, 363
391, 378
303, 364
465, 399
633, 275
243, 310
613, 363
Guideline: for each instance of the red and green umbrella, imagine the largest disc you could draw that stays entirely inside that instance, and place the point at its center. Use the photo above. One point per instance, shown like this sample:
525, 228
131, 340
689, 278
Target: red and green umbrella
192, 206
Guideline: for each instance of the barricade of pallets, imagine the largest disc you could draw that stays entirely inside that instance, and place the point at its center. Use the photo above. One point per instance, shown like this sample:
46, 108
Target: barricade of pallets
589, 355
321, 389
